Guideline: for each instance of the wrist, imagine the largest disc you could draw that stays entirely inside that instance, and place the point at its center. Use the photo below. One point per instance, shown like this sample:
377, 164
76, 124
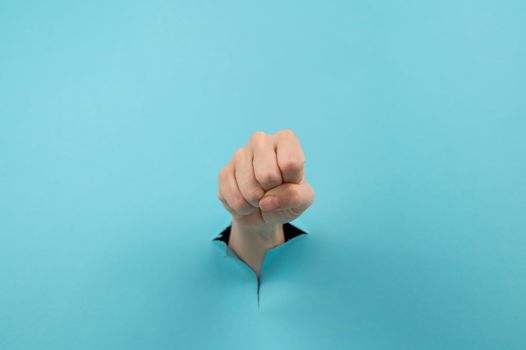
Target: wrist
270, 233
251, 242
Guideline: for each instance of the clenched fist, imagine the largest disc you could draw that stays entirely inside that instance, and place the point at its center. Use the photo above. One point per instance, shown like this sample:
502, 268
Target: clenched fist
264, 186
264, 182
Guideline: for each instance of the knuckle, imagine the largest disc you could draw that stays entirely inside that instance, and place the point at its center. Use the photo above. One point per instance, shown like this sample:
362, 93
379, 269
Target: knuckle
269, 177
286, 133
258, 137
293, 164
238, 154
222, 174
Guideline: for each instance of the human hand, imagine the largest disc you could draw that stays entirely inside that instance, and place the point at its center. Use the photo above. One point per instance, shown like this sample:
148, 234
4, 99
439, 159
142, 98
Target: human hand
264, 182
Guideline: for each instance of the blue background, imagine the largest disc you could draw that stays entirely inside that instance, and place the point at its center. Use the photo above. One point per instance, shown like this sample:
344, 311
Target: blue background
116, 117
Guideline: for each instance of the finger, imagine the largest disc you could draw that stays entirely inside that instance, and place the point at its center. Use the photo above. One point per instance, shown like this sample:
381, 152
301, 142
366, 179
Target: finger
288, 196
290, 156
264, 161
227, 207
245, 178
230, 194
221, 186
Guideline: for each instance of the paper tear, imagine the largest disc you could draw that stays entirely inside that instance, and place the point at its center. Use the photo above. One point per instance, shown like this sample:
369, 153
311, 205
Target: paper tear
290, 232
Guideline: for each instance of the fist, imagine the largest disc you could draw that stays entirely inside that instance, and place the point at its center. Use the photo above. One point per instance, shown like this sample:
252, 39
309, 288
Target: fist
264, 181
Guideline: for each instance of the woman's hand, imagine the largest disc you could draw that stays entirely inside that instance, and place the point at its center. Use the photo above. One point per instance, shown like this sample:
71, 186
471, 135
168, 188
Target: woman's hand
264, 182
264, 186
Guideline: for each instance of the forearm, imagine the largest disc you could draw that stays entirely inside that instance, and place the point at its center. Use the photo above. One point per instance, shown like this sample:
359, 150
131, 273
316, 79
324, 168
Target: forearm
251, 242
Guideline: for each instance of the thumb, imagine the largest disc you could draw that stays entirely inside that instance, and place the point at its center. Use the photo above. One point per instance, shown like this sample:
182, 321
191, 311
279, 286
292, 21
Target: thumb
288, 196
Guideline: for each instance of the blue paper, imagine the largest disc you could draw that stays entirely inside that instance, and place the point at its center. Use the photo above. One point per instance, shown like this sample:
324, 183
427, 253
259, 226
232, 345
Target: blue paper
116, 117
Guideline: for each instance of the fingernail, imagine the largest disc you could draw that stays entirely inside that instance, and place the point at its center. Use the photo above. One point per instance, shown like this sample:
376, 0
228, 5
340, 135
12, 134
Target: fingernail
269, 203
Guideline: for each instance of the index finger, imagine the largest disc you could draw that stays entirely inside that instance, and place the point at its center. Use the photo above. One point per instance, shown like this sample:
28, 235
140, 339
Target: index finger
290, 156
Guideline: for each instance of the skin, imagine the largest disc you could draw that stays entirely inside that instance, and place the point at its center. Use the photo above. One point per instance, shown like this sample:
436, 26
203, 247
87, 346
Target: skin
263, 186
